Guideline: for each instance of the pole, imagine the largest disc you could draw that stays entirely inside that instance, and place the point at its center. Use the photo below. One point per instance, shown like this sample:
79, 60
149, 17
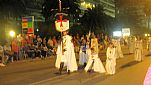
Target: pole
61, 31
59, 5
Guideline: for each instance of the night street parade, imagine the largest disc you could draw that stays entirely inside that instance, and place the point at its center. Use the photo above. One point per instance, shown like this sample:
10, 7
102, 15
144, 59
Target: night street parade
75, 42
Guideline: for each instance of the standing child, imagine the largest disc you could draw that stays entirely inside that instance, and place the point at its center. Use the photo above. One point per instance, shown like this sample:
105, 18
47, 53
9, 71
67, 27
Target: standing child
111, 59
94, 63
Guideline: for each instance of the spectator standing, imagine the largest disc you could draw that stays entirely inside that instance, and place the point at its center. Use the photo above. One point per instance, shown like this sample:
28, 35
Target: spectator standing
15, 49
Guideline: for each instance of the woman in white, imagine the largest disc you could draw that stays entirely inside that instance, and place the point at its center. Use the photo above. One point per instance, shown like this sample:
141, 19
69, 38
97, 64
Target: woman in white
111, 60
118, 50
94, 63
138, 50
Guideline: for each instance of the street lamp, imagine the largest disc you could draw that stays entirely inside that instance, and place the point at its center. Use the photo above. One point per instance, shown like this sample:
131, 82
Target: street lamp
12, 33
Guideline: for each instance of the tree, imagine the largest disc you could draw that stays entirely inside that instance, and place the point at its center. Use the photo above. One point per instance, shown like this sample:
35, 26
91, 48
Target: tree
147, 10
95, 20
50, 8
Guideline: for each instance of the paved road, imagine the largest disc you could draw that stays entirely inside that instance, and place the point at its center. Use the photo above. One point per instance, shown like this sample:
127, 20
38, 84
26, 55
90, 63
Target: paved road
43, 72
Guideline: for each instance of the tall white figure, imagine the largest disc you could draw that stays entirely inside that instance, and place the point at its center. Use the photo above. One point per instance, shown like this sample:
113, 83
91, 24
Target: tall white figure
110, 60
67, 54
138, 50
118, 50
94, 63
131, 45
149, 45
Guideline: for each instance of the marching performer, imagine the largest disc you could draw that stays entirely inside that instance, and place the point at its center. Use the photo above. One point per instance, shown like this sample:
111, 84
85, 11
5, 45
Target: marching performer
94, 63
111, 59
66, 55
118, 51
138, 50
83, 56
131, 43
149, 46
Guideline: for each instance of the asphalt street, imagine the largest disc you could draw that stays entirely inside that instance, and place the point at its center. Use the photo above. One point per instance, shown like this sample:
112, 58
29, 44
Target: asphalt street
43, 72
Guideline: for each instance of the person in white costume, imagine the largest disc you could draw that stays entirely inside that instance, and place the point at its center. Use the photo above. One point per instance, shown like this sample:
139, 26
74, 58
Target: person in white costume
118, 51
138, 50
83, 56
66, 54
110, 60
94, 63
149, 45
131, 44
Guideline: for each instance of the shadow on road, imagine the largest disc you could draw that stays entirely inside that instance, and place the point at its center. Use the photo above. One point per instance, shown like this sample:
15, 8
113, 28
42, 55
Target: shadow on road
129, 64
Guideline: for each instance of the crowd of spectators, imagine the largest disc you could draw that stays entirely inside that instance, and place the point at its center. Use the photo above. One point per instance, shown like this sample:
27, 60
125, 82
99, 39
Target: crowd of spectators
31, 47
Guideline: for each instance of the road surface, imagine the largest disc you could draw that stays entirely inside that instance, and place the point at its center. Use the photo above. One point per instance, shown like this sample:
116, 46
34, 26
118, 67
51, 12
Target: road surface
43, 72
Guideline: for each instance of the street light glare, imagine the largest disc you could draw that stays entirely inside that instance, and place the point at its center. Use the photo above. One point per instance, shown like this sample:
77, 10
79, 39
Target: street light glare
12, 33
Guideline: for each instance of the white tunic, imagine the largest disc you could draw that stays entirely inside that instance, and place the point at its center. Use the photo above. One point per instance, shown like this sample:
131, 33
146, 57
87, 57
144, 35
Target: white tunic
149, 46
93, 58
68, 57
110, 61
60, 58
138, 51
118, 51
97, 66
131, 45
83, 55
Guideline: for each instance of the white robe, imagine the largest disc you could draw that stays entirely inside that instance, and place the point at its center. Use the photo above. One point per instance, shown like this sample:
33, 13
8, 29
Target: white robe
69, 55
131, 45
149, 46
83, 57
138, 51
118, 51
60, 58
97, 66
110, 61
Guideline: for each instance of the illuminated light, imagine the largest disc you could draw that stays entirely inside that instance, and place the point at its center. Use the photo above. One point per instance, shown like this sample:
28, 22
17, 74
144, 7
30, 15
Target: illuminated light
117, 33
126, 32
37, 30
93, 6
146, 35
12, 33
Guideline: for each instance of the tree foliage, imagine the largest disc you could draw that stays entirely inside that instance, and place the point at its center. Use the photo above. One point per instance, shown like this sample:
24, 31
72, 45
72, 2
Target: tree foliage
70, 7
96, 20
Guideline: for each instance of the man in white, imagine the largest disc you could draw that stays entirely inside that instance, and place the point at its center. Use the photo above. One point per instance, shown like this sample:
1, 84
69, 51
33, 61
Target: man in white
138, 50
131, 45
111, 60
67, 55
83, 57
94, 62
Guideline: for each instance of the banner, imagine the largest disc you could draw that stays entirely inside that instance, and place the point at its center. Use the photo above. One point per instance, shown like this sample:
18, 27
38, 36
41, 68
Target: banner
62, 23
28, 25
